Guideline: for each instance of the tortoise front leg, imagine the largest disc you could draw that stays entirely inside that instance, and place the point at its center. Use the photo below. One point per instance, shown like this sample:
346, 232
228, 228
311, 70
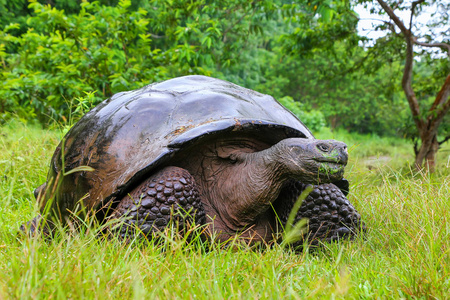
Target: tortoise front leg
38, 225
330, 215
169, 195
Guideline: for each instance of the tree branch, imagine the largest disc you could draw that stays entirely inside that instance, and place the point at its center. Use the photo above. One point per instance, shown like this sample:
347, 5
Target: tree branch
444, 140
391, 27
407, 32
433, 45
388, 23
371, 52
407, 72
224, 38
413, 7
155, 36
394, 17
397, 5
441, 104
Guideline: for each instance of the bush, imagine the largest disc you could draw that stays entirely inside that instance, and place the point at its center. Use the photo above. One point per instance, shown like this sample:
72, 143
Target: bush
62, 57
103, 50
314, 119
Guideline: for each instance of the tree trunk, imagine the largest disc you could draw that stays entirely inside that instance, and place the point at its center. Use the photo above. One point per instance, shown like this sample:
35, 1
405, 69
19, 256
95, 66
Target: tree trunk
430, 159
426, 156
427, 126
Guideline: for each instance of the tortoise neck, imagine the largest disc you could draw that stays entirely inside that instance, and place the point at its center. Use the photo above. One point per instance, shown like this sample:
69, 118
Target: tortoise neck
249, 188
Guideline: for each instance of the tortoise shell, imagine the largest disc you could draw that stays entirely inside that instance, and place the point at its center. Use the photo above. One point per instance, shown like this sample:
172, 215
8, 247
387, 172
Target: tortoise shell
128, 136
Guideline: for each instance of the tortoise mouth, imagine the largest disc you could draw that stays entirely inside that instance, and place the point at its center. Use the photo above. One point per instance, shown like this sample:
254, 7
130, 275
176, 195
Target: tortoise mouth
331, 169
330, 161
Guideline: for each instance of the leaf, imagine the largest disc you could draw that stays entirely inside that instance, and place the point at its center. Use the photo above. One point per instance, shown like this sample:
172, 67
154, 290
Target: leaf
79, 169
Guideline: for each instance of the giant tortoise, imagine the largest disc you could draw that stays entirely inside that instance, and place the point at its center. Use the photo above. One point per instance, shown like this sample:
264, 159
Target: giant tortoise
198, 149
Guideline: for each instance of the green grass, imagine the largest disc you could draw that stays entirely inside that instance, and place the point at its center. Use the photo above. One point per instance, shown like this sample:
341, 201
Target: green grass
405, 254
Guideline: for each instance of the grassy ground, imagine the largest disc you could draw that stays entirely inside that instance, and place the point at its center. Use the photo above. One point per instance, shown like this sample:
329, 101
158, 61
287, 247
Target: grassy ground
405, 254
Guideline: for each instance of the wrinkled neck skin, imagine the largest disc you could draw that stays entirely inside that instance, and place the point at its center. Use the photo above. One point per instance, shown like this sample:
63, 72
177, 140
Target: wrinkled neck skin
246, 189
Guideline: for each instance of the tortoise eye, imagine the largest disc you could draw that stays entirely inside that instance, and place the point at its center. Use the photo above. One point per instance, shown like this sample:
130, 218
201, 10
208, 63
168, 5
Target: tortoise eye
323, 147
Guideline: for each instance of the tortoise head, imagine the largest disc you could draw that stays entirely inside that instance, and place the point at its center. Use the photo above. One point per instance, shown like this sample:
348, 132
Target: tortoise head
312, 161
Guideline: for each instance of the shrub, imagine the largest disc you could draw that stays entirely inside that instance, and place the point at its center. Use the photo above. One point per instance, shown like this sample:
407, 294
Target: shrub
101, 49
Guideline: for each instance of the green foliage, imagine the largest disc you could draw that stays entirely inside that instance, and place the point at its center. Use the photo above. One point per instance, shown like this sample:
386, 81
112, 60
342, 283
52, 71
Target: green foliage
428, 79
17, 11
105, 50
321, 82
307, 50
313, 119
12, 11
102, 49
319, 77
308, 33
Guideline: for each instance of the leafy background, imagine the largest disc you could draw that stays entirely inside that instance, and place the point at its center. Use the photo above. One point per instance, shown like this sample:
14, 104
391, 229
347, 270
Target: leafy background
59, 55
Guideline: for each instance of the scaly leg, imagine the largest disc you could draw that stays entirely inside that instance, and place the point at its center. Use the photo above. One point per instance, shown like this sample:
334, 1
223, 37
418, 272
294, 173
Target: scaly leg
330, 215
169, 195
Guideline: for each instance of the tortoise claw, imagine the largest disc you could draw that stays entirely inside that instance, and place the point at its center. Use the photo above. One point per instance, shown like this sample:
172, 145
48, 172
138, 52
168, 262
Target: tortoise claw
37, 226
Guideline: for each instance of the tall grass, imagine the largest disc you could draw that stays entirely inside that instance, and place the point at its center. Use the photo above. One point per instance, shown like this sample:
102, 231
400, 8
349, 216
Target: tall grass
405, 253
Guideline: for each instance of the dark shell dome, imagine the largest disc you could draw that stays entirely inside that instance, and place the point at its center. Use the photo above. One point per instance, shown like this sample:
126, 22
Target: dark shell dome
134, 132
